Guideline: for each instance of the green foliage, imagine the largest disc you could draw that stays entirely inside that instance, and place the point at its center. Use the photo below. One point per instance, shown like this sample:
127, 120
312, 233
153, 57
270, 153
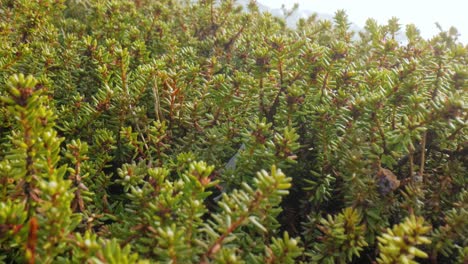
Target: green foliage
342, 238
398, 245
38, 207
141, 131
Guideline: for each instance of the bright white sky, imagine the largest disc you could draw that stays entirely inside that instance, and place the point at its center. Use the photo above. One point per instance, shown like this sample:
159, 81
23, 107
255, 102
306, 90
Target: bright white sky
422, 13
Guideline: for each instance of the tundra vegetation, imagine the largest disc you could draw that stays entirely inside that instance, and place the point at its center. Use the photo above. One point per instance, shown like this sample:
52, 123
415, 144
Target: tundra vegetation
118, 119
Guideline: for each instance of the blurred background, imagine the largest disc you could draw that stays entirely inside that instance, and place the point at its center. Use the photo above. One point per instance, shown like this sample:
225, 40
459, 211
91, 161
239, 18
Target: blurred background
423, 13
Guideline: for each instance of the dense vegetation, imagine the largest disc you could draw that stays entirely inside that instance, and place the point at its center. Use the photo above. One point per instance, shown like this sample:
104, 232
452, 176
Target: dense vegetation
194, 132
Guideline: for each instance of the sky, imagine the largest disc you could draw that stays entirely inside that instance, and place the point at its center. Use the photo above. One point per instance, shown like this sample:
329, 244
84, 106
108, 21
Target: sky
423, 13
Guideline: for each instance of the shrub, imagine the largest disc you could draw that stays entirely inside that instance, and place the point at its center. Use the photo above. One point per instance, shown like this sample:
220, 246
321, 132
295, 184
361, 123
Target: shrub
162, 131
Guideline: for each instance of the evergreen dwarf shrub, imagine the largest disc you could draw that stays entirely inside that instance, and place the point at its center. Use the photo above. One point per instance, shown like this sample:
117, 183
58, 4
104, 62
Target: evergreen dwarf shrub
179, 131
